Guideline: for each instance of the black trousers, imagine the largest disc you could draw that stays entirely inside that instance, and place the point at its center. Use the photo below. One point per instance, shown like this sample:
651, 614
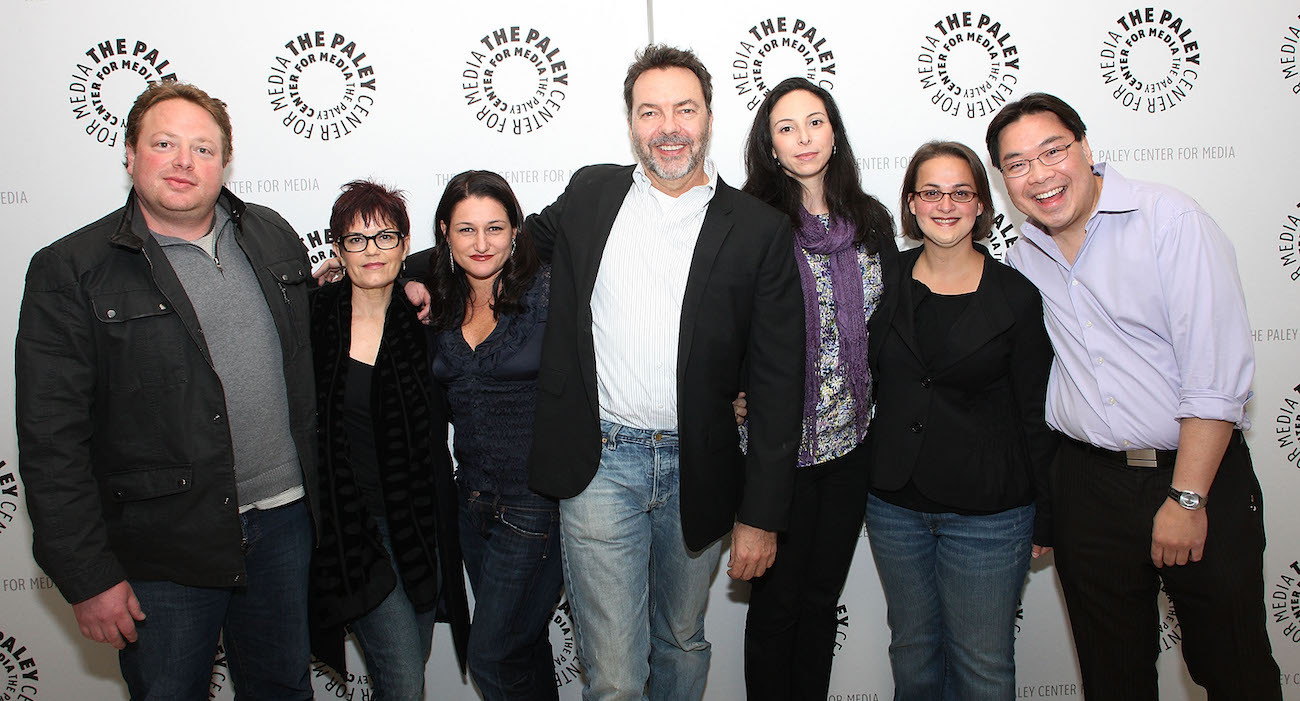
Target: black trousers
1102, 518
791, 627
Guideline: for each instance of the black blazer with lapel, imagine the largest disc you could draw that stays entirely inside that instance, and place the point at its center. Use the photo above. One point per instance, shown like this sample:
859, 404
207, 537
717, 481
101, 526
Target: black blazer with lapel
742, 327
968, 429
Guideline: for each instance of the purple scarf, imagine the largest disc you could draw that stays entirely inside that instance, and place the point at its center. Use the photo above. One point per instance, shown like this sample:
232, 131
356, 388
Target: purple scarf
846, 289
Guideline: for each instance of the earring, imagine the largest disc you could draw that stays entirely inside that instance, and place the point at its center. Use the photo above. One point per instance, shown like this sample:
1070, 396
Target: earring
452, 260
403, 270
513, 243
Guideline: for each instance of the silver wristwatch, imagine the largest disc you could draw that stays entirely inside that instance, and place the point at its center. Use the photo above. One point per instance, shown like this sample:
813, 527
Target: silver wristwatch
1188, 500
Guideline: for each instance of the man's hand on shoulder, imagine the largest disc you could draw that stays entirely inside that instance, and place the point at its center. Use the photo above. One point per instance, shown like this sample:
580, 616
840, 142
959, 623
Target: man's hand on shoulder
110, 616
1178, 535
753, 550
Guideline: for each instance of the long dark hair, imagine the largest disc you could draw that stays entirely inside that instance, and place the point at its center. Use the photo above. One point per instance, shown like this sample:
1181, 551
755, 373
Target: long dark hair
449, 288
845, 198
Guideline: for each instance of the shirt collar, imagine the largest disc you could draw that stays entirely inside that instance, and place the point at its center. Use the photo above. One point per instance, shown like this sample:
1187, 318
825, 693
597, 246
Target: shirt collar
1116, 194
641, 180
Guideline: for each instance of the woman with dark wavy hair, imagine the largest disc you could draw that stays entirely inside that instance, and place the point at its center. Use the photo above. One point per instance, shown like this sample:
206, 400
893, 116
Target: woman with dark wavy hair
798, 159
488, 314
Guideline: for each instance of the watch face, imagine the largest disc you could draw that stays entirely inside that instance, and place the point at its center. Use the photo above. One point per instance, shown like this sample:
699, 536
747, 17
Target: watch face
1189, 500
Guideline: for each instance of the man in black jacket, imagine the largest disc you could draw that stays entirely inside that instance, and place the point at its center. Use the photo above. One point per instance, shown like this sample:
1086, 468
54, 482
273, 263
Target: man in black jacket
166, 426
670, 292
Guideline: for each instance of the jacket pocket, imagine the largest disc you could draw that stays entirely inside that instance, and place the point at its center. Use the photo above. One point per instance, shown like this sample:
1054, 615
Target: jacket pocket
141, 340
120, 307
290, 275
150, 483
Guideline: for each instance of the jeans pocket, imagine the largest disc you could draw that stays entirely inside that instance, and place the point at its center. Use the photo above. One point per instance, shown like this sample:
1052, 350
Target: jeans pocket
526, 524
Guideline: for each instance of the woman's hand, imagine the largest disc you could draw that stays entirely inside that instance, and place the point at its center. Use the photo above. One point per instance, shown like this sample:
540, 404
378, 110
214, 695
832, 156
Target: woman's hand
738, 407
330, 270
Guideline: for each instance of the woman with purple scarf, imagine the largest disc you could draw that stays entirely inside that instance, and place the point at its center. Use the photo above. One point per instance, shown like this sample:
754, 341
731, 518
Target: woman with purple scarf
798, 159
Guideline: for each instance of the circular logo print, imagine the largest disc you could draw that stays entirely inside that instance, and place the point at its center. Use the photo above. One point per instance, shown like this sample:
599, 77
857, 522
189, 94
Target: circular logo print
1171, 633
321, 86
1151, 61
328, 683
517, 83
968, 66
1286, 242
777, 48
564, 649
1284, 603
21, 675
1287, 427
106, 82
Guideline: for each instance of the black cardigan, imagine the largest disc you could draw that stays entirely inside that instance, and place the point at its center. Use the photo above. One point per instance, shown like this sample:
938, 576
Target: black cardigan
969, 430
351, 574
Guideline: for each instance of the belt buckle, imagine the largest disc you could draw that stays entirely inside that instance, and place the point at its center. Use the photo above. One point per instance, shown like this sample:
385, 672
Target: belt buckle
1145, 457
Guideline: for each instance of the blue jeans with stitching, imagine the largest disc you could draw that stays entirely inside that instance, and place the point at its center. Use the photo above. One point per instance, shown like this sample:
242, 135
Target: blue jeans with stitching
952, 586
511, 546
637, 593
263, 624
395, 640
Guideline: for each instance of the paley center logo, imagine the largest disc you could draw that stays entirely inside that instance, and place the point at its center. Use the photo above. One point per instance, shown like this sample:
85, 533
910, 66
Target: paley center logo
777, 48
1287, 427
8, 496
105, 84
1286, 244
1284, 602
22, 677
322, 85
564, 649
968, 66
1150, 60
517, 82
1287, 60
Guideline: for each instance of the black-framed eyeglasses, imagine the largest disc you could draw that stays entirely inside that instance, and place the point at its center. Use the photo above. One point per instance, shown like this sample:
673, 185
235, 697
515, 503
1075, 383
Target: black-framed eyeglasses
1050, 157
932, 195
384, 240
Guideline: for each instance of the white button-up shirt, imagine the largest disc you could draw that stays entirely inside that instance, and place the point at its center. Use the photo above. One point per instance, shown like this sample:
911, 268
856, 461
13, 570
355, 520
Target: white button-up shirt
636, 307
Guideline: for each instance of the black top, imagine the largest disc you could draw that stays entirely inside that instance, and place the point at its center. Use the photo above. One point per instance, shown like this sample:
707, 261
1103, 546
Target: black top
933, 315
492, 393
962, 419
360, 427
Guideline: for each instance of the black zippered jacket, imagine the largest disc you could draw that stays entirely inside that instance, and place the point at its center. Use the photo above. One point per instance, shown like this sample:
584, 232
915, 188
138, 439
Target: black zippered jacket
123, 441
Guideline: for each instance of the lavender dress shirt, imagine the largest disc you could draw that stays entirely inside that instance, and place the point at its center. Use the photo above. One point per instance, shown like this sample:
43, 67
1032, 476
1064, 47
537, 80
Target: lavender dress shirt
1149, 324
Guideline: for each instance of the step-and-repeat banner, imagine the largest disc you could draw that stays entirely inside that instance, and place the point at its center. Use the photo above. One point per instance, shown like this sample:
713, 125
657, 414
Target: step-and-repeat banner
1198, 94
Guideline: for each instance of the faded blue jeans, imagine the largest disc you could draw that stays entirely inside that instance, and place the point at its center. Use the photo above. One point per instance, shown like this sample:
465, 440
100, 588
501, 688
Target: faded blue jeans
637, 594
952, 587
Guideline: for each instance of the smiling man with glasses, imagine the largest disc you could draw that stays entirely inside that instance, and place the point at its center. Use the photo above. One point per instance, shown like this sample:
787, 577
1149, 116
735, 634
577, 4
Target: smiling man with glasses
1153, 484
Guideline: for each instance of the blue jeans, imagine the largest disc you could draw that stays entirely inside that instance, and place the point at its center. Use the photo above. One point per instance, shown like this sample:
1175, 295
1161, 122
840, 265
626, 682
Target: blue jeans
511, 547
263, 624
952, 585
637, 594
395, 640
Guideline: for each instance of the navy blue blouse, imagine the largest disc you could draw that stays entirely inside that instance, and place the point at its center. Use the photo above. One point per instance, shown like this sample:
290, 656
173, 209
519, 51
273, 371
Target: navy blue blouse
492, 393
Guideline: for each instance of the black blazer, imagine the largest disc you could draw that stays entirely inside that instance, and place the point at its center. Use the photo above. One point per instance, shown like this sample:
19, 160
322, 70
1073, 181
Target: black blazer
742, 326
969, 429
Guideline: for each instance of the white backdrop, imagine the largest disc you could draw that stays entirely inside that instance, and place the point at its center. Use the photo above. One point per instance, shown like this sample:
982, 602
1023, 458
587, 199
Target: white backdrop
1203, 95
